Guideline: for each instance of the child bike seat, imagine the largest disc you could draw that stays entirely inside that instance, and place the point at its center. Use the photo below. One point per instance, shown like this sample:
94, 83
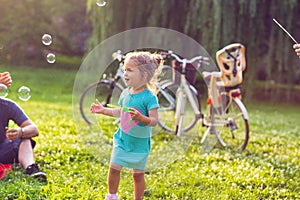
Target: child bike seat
231, 61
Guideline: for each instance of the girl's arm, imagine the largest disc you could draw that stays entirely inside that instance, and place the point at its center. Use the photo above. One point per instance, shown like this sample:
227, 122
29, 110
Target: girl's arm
152, 120
98, 108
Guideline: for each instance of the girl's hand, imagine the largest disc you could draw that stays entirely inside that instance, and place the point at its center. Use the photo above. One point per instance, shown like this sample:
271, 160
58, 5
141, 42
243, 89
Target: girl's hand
13, 134
97, 107
135, 114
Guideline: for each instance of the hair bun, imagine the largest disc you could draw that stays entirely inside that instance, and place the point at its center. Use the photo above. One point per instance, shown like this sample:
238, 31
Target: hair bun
157, 59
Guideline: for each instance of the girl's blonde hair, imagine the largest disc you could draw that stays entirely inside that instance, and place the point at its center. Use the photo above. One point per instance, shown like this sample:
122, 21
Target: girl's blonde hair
147, 63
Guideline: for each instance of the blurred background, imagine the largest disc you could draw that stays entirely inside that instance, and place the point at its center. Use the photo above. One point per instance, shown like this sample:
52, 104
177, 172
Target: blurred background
77, 26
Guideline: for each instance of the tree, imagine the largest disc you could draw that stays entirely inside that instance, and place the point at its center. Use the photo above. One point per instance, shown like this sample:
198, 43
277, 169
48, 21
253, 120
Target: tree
214, 24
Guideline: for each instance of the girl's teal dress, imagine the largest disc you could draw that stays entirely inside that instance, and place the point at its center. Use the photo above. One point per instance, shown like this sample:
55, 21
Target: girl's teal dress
132, 139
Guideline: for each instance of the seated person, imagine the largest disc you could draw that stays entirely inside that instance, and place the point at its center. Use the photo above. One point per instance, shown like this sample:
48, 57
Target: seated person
16, 145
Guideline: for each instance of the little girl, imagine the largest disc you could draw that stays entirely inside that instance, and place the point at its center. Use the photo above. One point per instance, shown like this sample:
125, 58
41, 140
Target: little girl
132, 140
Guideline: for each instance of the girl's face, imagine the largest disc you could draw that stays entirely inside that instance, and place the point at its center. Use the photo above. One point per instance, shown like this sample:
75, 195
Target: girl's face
133, 76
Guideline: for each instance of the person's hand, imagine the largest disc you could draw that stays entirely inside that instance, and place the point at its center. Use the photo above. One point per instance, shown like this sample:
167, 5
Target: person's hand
135, 114
5, 78
13, 134
297, 49
97, 107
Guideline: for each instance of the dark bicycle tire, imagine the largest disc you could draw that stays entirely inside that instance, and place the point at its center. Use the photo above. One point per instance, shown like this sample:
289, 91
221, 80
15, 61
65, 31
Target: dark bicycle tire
96, 91
235, 132
166, 111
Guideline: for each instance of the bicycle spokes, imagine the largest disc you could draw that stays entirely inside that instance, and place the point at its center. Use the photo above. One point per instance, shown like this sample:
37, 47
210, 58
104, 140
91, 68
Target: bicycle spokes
235, 132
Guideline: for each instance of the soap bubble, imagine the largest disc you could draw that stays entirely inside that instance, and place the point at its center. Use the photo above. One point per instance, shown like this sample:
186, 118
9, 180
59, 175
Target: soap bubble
3, 90
47, 39
24, 93
101, 3
51, 58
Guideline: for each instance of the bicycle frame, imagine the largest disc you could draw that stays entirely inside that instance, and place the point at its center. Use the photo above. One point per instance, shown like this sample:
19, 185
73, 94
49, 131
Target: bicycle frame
114, 81
184, 92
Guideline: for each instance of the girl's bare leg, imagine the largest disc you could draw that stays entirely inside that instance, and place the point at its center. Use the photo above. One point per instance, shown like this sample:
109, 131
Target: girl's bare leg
139, 183
114, 178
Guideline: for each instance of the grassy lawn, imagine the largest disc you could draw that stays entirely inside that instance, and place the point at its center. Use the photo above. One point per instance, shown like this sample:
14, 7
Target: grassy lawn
77, 169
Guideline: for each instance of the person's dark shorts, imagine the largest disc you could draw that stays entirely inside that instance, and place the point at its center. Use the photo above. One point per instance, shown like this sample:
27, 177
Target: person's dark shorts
9, 150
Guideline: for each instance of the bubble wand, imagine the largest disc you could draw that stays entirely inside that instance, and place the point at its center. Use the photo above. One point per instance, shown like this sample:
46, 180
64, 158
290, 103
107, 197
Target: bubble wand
285, 31
11, 124
125, 109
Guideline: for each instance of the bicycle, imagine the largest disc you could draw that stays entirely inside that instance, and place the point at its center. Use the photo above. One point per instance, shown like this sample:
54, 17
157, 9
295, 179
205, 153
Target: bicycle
173, 104
109, 89
226, 116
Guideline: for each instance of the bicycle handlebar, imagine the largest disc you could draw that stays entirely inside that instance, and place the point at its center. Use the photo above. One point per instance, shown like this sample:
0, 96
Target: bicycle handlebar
200, 59
118, 55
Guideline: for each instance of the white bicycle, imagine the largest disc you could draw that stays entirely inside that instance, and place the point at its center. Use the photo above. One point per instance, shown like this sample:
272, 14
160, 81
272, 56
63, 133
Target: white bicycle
226, 116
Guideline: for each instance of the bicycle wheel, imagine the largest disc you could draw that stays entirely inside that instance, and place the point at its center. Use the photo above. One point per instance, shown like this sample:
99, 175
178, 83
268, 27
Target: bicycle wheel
234, 132
166, 111
104, 91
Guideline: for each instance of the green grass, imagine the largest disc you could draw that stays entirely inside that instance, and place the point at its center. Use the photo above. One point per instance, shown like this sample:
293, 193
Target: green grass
46, 84
267, 169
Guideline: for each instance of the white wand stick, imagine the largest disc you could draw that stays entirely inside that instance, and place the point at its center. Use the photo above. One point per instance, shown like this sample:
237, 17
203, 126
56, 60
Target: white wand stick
285, 31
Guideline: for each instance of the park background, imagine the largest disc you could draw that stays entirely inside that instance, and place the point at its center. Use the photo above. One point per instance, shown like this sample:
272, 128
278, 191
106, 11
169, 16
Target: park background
78, 27
270, 91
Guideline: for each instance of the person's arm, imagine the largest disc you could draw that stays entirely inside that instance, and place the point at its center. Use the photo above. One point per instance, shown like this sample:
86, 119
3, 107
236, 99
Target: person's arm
152, 120
5, 78
27, 130
98, 108
297, 49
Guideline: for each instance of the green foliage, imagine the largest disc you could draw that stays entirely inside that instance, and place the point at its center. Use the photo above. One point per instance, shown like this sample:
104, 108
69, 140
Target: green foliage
67, 62
267, 169
276, 92
23, 24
